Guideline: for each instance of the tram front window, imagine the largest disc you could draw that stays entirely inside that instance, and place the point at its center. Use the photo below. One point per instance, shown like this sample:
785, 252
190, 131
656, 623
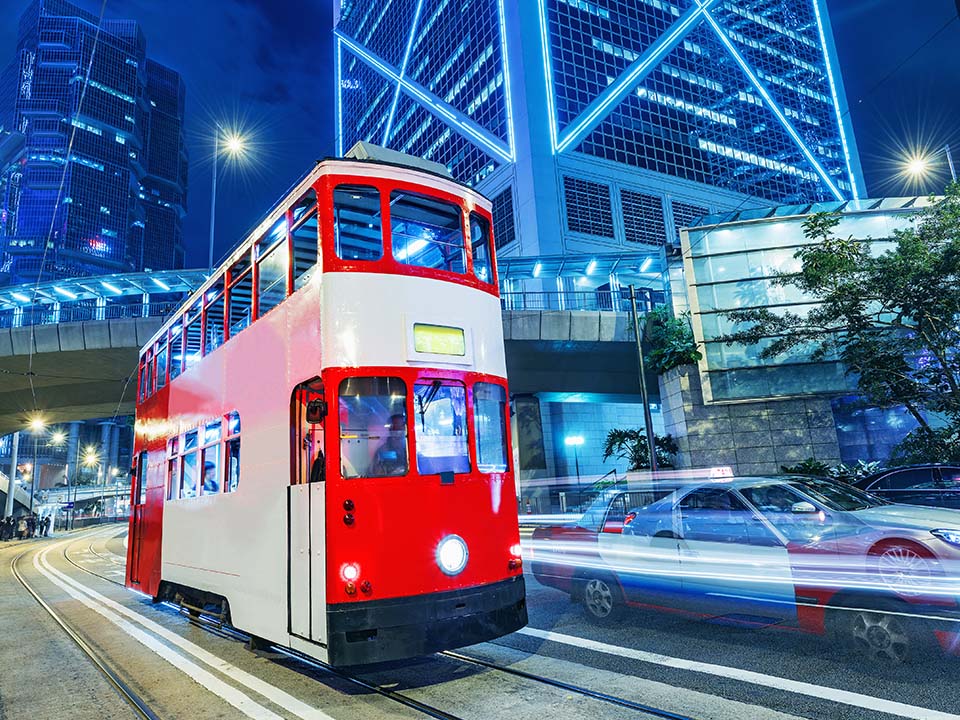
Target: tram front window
426, 232
373, 427
490, 420
441, 423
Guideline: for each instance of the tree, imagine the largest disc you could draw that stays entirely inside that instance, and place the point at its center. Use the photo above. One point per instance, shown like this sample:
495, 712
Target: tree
671, 341
891, 318
631, 445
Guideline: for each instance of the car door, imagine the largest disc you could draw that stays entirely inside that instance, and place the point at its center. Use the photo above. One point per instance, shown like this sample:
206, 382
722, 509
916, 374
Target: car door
641, 549
950, 484
912, 486
731, 560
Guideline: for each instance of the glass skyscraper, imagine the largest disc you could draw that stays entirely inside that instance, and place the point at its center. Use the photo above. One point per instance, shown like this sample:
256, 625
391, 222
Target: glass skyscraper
101, 185
603, 124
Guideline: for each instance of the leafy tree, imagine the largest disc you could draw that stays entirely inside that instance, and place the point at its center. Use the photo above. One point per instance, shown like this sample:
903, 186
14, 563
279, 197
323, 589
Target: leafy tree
671, 341
631, 445
807, 467
891, 317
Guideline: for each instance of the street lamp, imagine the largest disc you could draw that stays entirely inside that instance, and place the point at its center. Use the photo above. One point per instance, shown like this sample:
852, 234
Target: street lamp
37, 425
917, 166
576, 441
233, 144
92, 459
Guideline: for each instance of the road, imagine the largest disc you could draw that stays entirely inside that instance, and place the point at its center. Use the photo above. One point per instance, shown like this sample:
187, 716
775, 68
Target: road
182, 670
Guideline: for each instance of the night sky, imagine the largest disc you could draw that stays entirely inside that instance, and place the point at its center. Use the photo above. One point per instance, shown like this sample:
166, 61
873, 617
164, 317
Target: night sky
266, 67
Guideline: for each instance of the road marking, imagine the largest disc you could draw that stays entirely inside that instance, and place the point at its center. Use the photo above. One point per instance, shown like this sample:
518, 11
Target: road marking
274, 694
200, 675
844, 697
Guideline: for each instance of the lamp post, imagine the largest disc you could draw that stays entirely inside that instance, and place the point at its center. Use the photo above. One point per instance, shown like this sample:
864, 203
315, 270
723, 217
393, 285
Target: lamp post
92, 459
575, 441
642, 372
37, 426
235, 145
57, 439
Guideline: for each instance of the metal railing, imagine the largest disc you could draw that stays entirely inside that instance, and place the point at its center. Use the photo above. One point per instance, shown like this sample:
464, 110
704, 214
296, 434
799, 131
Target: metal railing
49, 314
617, 300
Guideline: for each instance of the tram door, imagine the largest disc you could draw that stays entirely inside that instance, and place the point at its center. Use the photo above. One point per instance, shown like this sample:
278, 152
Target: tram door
307, 517
139, 501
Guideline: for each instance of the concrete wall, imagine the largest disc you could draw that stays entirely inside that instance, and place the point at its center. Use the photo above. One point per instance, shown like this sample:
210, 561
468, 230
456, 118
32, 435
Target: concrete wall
753, 438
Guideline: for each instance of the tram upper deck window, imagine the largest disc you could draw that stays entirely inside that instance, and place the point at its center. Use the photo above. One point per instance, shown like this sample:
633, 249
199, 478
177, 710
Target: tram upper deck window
426, 232
305, 235
480, 247
490, 421
373, 427
272, 263
357, 223
441, 425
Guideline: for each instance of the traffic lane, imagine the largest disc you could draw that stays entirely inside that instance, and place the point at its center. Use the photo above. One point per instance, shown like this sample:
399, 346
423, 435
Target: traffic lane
777, 653
273, 680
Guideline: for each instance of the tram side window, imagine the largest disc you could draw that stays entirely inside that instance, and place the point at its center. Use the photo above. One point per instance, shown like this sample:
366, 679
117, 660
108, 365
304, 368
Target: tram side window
356, 215
173, 468
490, 421
305, 236
213, 336
191, 352
272, 264
480, 247
188, 466
241, 303
373, 427
426, 232
441, 426
176, 351
210, 458
232, 469
161, 364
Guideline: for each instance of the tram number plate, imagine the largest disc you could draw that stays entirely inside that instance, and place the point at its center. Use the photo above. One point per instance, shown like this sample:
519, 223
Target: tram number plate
439, 340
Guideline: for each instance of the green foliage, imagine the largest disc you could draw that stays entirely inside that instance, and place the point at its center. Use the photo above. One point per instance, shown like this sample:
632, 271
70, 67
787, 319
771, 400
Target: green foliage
940, 445
891, 318
671, 341
631, 445
806, 467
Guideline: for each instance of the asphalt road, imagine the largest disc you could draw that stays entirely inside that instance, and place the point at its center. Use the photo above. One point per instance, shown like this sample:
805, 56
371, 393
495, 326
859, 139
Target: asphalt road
184, 671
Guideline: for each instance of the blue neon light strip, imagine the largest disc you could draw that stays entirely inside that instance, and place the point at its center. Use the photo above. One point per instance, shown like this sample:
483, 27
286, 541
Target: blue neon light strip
459, 121
506, 78
338, 59
836, 101
403, 70
548, 74
771, 104
623, 85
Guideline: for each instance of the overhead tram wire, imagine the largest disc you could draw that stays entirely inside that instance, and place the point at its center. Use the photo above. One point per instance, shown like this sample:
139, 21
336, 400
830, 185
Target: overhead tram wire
56, 206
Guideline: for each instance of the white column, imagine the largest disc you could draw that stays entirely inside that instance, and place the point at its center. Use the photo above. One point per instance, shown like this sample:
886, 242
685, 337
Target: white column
12, 477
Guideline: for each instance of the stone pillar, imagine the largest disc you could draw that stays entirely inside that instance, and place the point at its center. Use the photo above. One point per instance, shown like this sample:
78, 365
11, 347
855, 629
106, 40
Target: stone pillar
106, 436
12, 477
73, 443
115, 447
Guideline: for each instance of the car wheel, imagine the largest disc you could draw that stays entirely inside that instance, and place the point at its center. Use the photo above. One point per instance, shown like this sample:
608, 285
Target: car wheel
885, 637
601, 598
904, 569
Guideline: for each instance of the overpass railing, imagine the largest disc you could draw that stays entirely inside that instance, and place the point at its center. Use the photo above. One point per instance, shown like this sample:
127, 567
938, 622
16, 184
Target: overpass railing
617, 300
49, 314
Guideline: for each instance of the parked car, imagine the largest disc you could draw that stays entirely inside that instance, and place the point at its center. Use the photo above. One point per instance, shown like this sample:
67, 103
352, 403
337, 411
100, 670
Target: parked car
937, 485
807, 552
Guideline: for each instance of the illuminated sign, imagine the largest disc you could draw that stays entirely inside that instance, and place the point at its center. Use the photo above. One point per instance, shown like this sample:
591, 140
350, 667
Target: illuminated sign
439, 340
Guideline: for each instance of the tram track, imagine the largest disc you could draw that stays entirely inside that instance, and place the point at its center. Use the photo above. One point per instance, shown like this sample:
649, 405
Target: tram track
213, 626
140, 706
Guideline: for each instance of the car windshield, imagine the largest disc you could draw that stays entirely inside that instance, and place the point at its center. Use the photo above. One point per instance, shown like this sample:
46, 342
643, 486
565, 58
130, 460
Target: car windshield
835, 495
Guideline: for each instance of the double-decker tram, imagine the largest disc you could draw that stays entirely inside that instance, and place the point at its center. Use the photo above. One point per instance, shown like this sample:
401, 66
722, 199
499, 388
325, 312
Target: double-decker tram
322, 436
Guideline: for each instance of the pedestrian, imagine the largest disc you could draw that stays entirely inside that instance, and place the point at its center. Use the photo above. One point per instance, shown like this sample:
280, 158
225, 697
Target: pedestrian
46, 526
31, 525
5, 529
22, 528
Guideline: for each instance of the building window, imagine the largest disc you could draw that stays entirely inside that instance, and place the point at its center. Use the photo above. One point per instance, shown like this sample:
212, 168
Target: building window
588, 206
504, 225
642, 218
684, 214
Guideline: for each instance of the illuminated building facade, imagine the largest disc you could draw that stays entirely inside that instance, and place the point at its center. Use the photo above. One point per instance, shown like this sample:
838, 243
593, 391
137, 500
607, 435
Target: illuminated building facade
598, 124
101, 184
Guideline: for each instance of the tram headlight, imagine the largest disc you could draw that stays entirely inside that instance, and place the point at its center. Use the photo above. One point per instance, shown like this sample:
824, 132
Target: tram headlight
452, 554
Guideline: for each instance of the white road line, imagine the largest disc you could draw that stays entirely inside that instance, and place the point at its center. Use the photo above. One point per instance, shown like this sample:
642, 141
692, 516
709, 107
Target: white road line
274, 694
198, 674
844, 697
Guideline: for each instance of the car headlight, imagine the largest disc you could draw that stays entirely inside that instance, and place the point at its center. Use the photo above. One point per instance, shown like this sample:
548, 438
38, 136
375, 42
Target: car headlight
452, 554
949, 536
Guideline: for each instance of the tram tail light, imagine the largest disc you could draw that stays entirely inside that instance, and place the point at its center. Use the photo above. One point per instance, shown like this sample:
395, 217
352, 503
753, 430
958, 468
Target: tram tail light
350, 588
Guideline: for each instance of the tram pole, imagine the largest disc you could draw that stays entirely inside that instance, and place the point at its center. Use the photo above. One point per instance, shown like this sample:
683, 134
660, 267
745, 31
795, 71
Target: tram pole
647, 417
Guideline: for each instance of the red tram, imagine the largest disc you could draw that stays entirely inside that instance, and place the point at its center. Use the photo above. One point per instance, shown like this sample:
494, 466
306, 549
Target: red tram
322, 437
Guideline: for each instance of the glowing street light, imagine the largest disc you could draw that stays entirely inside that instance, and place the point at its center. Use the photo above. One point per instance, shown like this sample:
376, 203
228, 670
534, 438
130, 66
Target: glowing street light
233, 144
57, 438
37, 424
917, 166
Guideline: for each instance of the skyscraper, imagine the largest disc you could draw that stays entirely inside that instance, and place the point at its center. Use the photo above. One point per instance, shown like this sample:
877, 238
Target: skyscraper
101, 184
603, 124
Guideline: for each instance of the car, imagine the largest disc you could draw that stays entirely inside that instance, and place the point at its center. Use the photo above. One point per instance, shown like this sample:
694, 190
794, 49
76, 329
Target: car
937, 485
809, 553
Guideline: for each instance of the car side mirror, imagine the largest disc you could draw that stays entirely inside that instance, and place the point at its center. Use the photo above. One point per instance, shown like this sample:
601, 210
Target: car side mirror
316, 411
804, 508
